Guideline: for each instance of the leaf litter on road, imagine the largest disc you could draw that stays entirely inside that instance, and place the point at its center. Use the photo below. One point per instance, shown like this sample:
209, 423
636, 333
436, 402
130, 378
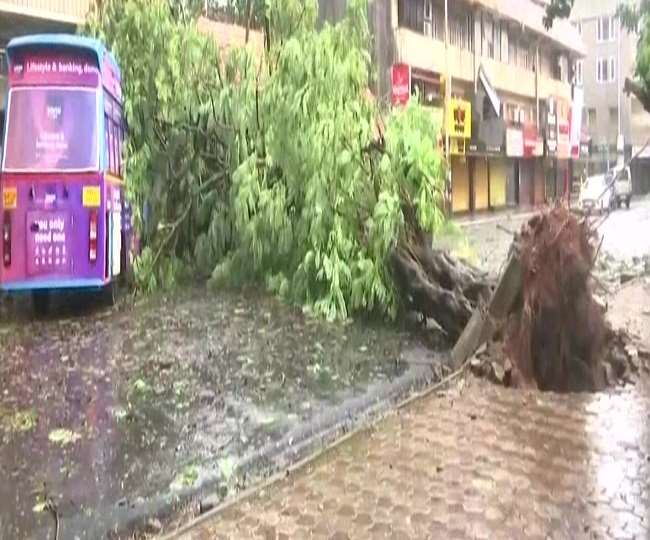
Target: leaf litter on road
63, 436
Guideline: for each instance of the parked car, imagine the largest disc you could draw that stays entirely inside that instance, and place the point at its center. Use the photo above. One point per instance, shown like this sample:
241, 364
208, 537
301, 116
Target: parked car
622, 185
596, 194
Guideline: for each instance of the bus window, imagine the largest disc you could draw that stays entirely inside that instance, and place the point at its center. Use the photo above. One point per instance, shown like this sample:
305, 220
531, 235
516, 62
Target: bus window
107, 128
116, 144
44, 131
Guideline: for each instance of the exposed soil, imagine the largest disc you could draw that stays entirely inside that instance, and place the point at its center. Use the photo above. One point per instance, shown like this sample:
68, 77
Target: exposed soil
556, 336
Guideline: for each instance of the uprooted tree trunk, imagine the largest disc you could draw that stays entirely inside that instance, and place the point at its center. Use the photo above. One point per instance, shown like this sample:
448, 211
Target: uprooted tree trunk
556, 335
435, 284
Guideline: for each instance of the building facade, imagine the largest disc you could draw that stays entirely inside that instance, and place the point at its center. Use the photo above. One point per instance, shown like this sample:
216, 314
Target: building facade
609, 112
509, 74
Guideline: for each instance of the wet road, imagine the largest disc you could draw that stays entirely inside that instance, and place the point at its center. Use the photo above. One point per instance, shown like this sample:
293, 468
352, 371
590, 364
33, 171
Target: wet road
623, 233
99, 413
476, 462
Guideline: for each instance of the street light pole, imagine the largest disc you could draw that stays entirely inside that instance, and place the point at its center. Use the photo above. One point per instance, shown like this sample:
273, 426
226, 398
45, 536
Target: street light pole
447, 98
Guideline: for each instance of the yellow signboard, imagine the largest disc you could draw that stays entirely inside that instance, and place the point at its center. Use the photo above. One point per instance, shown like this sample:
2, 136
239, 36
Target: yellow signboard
457, 146
459, 118
91, 196
9, 198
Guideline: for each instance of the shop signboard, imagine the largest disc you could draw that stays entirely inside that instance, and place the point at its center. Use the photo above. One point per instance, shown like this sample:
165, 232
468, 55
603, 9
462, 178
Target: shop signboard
459, 118
551, 128
480, 148
533, 143
514, 142
401, 84
576, 121
563, 130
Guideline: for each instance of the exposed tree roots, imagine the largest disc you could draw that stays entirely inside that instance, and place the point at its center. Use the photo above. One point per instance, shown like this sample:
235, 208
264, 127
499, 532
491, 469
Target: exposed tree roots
437, 285
556, 335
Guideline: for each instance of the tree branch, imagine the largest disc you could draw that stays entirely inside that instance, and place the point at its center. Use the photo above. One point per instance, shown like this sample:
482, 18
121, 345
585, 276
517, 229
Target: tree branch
638, 91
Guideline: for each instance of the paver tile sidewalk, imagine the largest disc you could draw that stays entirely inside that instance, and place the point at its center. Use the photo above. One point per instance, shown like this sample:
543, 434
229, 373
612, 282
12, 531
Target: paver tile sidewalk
475, 462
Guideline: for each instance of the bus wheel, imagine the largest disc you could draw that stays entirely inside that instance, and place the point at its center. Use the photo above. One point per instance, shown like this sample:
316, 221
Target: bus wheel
41, 300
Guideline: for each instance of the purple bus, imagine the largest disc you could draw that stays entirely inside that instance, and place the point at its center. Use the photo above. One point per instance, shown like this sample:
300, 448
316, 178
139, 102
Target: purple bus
65, 220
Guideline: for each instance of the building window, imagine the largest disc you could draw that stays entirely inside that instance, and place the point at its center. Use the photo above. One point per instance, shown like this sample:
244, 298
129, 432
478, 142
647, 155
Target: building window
488, 36
613, 118
578, 72
529, 58
591, 118
460, 31
512, 51
410, 15
427, 92
428, 16
505, 45
606, 28
606, 69
438, 24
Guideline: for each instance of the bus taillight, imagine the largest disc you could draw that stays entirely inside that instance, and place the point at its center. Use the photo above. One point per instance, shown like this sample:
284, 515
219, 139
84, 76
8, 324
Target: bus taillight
6, 239
92, 236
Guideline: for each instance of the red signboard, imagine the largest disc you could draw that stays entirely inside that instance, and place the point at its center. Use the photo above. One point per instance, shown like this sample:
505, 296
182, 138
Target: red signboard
533, 143
401, 84
69, 69
563, 129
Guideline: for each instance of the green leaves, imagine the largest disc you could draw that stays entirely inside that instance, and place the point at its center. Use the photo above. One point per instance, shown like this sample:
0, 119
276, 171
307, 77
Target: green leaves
273, 175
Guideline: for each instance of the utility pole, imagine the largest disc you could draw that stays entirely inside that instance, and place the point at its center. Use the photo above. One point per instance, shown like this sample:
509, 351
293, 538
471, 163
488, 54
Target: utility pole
620, 143
446, 119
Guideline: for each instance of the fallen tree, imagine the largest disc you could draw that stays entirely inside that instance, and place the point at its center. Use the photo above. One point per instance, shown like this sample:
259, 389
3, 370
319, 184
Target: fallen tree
435, 284
281, 170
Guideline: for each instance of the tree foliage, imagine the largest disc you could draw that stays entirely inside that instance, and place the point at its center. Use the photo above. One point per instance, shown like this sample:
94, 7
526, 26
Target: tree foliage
275, 170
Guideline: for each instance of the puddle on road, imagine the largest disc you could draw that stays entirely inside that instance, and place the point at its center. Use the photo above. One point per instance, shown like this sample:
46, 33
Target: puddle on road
114, 405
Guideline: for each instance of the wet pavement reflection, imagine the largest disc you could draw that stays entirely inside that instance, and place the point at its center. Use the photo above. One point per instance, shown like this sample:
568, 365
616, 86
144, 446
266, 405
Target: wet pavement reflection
478, 461
108, 408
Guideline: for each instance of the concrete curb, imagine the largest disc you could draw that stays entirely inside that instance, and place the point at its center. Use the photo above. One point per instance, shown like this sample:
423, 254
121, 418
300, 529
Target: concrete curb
264, 464
295, 467
496, 218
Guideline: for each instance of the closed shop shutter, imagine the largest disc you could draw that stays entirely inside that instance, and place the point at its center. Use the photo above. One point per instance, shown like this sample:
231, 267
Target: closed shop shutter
559, 178
459, 185
539, 182
512, 183
498, 175
480, 184
526, 182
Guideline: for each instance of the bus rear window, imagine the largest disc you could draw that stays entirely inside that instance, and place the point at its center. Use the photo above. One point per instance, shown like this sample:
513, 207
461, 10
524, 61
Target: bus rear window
52, 129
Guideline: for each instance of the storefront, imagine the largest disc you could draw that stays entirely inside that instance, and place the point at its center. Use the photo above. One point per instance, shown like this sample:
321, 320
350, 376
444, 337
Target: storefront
563, 186
458, 125
488, 168
531, 175
488, 165
550, 151
514, 151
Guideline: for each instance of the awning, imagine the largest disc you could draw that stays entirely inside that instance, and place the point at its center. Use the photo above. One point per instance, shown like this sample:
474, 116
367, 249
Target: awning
490, 91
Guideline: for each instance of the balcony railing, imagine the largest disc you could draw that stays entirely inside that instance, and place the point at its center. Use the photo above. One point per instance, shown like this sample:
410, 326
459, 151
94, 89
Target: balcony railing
427, 53
67, 11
